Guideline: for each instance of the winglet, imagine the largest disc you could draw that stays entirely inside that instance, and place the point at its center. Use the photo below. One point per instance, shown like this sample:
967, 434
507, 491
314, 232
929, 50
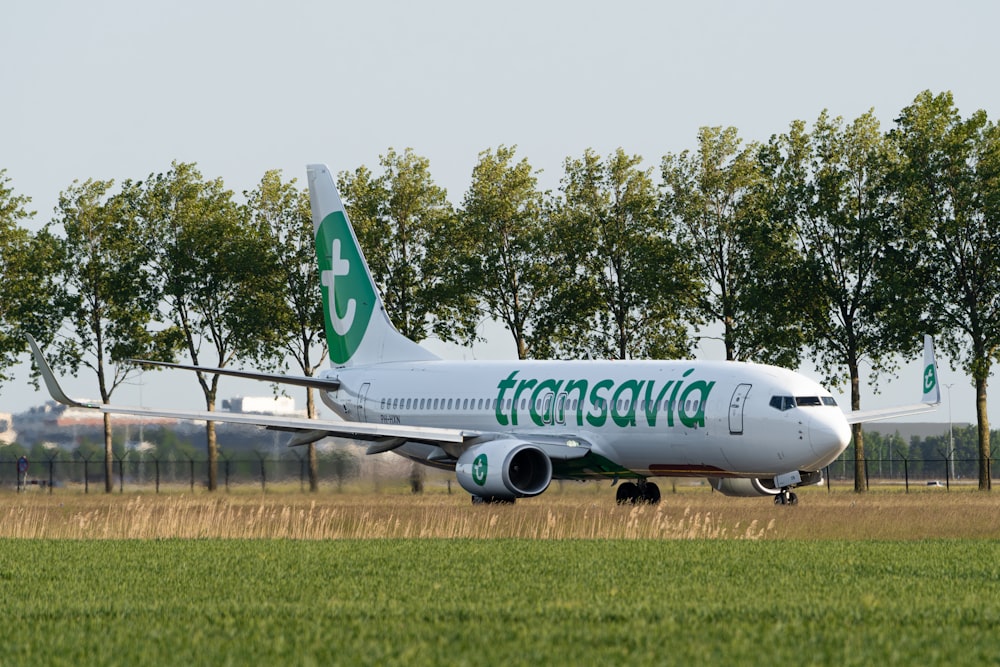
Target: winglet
929, 401
932, 389
50, 379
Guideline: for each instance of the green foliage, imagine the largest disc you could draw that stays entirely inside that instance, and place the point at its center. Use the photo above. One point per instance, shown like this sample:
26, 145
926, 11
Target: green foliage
742, 251
402, 220
217, 273
949, 181
33, 299
506, 254
484, 602
107, 269
637, 286
283, 215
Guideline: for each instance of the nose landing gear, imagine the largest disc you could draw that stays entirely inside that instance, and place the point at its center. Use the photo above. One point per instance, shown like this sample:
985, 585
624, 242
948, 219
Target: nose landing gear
786, 497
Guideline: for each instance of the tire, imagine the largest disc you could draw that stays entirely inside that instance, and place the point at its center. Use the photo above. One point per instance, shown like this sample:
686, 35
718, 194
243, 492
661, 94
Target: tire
651, 493
627, 494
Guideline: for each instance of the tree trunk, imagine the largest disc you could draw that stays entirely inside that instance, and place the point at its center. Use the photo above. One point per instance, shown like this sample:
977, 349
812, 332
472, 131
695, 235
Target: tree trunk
109, 456
313, 468
213, 456
860, 478
313, 458
983, 419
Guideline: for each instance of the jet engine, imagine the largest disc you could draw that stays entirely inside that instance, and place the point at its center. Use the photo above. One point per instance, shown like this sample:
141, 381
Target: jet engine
746, 487
743, 487
504, 470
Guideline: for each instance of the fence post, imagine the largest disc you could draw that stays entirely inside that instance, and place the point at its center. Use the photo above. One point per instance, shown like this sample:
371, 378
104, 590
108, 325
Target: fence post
828, 479
52, 463
302, 471
86, 470
121, 472
263, 473
156, 467
906, 470
191, 461
947, 474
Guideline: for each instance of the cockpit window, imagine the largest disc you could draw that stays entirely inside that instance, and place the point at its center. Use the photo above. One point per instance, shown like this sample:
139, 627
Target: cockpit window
788, 402
782, 402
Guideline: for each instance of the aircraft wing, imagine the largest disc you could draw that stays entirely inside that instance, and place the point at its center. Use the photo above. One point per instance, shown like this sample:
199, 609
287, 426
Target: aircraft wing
312, 429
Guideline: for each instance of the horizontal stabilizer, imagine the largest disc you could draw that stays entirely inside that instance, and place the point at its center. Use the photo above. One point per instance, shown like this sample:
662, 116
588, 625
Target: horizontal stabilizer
326, 384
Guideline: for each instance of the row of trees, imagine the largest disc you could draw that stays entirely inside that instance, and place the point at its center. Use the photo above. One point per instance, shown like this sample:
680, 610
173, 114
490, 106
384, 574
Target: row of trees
840, 241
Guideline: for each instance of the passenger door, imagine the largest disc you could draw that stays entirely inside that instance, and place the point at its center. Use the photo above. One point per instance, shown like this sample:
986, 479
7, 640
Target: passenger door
736, 409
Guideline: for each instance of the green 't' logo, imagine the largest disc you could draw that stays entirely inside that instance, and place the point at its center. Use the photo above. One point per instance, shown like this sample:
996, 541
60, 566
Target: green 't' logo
348, 297
479, 468
930, 379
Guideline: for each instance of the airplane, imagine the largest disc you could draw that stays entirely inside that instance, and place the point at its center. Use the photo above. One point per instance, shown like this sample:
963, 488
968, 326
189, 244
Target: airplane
508, 428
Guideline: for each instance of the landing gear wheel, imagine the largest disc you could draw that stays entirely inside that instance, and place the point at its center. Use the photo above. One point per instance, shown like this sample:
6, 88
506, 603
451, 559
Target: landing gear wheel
627, 494
786, 497
651, 493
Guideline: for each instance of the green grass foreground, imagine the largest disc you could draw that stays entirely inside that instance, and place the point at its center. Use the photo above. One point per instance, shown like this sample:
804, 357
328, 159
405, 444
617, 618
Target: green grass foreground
499, 601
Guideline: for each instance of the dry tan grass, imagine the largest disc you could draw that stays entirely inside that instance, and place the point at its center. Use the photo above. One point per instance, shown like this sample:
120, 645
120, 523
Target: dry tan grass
351, 516
580, 512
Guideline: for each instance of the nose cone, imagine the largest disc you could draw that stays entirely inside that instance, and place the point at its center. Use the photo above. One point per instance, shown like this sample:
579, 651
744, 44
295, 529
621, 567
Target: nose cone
829, 435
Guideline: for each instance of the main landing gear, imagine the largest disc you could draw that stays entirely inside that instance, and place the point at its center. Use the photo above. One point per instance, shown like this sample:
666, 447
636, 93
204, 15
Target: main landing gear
632, 493
786, 497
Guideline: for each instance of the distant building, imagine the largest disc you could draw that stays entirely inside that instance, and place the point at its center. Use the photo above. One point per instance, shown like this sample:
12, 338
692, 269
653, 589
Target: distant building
264, 405
66, 426
7, 432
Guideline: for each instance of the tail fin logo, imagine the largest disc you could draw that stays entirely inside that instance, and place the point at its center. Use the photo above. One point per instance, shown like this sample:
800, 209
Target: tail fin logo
348, 296
930, 379
338, 267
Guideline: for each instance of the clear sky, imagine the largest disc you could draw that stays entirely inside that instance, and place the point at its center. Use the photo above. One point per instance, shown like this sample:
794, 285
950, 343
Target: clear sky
118, 89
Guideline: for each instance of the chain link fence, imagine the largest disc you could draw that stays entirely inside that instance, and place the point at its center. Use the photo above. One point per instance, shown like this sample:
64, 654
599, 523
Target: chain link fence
177, 472
291, 472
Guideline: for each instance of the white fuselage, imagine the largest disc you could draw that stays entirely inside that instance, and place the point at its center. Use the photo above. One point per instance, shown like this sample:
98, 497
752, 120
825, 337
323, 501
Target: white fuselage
652, 418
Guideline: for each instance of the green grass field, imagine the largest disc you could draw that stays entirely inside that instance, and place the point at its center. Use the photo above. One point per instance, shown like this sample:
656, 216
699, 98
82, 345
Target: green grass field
499, 601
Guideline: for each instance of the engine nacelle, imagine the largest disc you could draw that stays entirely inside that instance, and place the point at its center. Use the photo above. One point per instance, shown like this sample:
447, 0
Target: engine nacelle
504, 469
743, 487
746, 487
